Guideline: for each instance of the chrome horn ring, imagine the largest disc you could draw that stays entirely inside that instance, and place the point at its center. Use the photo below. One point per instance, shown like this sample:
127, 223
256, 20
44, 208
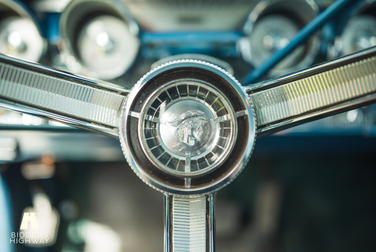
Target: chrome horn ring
178, 128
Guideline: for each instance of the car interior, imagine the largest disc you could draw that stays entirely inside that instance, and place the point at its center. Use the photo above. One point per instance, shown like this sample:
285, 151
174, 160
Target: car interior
311, 187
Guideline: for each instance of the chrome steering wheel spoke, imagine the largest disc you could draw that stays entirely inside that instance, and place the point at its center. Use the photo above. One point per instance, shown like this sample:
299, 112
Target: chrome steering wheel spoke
330, 88
42, 91
189, 224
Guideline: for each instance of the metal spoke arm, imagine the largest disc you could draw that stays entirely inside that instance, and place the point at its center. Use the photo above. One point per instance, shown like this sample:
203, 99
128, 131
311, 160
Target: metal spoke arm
189, 224
41, 91
314, 93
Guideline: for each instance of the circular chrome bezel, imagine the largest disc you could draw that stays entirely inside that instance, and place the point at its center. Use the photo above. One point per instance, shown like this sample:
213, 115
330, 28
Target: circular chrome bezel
337, 48
304, 11
15, 9
202, 184
229, 143
351, 32
87, 11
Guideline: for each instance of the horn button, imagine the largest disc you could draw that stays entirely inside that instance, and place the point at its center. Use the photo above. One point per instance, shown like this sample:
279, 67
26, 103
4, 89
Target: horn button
188, 128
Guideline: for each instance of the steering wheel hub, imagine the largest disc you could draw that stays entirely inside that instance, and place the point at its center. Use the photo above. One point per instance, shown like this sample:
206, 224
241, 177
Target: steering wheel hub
179, 128
187, 127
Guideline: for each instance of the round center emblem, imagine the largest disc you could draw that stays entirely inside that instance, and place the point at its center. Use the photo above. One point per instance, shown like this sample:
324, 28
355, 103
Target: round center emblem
188, 128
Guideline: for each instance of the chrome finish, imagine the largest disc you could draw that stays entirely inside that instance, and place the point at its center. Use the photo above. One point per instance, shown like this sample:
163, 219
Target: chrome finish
359, 34
184, 117
56, 117
279, 103
189, 224
268, 29
315, 92
19, 33
193, 15
51, 6
38, 90
201, 57
99, 38
273, 33
181, 132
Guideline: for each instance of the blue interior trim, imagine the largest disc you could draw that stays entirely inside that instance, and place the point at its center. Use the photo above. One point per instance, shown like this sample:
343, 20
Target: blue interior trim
302, 36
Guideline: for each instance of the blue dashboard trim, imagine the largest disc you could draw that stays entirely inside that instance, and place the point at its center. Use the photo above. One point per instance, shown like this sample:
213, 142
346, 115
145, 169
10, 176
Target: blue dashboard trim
302, 36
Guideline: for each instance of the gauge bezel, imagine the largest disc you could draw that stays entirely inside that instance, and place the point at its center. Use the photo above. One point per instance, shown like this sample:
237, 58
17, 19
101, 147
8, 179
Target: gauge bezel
93, 9
18, 10
278, 7
205, 183
349, 33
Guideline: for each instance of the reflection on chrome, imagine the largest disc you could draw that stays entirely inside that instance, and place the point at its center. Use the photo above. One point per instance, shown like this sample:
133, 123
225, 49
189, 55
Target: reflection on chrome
20, 36
298, 100
99, 39
106, 47
359, 34
187, 128
270, 26
273, 33
183, 101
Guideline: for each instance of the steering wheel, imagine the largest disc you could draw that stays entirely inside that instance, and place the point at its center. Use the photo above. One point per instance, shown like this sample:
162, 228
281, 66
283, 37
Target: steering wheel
188, 128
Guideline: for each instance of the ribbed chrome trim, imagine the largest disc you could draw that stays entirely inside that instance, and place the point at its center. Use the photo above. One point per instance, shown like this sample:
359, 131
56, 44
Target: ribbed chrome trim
62, 97
190, 224
320, 91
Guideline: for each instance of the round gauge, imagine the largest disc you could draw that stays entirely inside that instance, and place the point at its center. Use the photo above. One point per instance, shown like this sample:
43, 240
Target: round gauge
19, 37
106, 47
359, 34
187, 128
271, 33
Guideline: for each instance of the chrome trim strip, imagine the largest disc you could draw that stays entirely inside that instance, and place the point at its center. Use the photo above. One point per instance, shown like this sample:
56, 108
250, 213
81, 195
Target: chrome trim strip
114, 132
41, 91
167, 224
321, 91
189, 224
48, 71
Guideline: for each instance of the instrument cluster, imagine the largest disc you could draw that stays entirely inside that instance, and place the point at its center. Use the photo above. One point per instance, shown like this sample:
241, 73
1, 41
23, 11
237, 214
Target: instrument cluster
104, 39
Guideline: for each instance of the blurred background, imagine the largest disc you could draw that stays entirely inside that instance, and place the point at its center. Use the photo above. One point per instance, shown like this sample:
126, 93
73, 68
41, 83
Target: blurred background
309, 188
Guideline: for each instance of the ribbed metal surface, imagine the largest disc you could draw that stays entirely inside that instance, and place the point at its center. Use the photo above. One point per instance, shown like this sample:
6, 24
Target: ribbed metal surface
189, 224
60, 96
320, 91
